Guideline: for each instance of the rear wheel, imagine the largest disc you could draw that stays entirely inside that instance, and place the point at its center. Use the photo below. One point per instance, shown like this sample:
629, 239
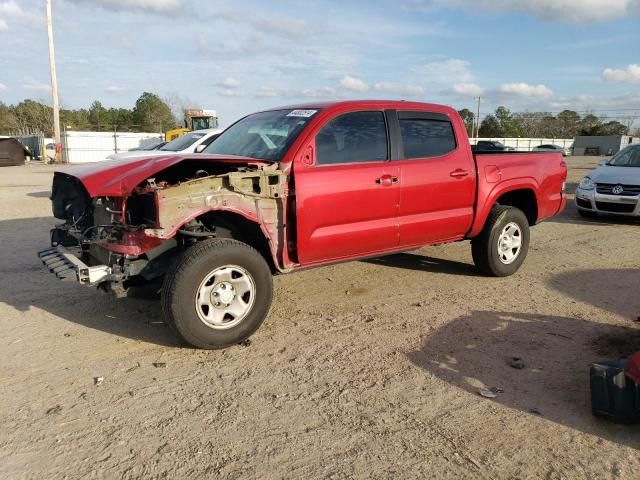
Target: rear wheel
217, 294
502, 246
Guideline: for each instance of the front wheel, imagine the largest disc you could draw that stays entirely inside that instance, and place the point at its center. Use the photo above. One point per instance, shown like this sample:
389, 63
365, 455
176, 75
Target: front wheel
502, 246
217, 294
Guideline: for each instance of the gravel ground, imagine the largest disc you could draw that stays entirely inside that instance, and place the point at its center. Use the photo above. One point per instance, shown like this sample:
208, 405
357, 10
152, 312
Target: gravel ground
362, 370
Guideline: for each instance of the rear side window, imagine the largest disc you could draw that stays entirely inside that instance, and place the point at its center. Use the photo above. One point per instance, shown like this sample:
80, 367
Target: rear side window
351, 138
424, 138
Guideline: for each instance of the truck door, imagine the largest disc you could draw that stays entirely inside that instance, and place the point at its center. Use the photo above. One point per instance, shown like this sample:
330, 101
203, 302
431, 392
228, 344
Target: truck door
347, 198
438, 179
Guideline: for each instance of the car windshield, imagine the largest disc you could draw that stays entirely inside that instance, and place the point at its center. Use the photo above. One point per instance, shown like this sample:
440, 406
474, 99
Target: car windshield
153, 146
182, 142
628, 157
264, 135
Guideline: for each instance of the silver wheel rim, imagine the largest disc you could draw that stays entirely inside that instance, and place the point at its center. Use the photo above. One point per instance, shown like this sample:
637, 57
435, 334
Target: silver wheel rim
510, 243
225, 297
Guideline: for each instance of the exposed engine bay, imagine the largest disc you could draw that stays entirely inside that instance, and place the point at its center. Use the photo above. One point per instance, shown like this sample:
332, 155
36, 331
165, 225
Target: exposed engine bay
133, 238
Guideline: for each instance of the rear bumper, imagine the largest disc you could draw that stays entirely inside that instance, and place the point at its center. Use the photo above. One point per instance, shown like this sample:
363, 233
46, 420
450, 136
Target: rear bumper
67, 266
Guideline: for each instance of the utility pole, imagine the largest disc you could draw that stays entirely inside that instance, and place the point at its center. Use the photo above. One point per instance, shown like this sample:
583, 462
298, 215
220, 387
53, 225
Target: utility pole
478, 119
54, 86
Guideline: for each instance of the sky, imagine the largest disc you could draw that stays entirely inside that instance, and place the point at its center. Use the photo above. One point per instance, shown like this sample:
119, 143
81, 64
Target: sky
242, 56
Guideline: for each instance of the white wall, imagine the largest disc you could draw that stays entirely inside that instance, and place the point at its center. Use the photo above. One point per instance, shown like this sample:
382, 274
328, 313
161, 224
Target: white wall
84, 147
528, 144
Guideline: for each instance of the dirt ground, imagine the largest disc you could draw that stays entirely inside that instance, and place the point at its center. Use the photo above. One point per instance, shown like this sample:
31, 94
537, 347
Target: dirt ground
362, 370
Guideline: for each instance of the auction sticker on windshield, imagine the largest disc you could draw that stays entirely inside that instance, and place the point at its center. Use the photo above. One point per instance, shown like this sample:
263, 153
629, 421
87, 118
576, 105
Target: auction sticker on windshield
302, 113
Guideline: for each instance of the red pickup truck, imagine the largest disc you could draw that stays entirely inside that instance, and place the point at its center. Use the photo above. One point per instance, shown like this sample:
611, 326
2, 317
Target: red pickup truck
292, 188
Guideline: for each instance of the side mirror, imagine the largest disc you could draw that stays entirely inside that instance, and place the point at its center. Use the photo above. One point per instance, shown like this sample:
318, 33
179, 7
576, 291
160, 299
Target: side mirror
200, 148
602, 163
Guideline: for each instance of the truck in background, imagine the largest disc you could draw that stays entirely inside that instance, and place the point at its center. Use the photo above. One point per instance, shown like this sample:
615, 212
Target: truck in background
194, 119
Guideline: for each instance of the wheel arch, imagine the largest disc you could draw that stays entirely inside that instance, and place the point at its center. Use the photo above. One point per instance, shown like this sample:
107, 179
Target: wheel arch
523, 199
242, 227
521, 195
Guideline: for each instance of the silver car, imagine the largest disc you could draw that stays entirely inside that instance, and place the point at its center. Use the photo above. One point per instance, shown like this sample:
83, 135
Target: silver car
614, 187
553, 148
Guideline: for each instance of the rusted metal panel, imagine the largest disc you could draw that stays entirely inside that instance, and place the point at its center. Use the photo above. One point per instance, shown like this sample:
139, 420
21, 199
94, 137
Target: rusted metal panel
258, 196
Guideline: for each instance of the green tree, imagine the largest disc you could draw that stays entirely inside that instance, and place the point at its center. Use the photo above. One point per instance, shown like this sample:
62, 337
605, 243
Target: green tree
490, 127
99, 117
121, 118
469, 119
589, 125
613, 128
8, 121
151, 114
508, 127
75, 119
568, 123
34, 116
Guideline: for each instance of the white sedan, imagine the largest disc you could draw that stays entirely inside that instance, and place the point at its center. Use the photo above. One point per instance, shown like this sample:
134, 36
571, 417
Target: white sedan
191, 142
553, 148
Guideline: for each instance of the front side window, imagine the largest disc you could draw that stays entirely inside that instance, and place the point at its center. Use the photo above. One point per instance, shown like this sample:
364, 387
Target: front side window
424, 138
352, 138
264, 135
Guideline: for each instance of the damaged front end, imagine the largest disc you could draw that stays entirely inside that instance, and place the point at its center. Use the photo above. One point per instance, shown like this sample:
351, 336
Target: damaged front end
97, 243
121, 237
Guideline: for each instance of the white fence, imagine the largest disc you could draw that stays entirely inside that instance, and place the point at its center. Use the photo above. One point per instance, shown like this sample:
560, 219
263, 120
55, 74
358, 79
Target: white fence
85, 147
528, 144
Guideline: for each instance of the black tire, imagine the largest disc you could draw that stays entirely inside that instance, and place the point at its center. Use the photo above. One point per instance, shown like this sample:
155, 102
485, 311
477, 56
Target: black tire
188, 273
484, 247
587, 214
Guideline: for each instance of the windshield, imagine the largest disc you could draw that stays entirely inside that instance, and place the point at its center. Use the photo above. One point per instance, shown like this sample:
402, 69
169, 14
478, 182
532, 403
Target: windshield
182, 142
264, 135
153, 146
628, 157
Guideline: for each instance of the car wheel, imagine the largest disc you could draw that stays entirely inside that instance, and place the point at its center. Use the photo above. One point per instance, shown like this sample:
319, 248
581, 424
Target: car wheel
502, 246
217, 293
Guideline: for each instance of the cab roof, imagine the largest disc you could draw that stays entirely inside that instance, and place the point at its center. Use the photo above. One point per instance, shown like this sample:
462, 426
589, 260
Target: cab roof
384, 104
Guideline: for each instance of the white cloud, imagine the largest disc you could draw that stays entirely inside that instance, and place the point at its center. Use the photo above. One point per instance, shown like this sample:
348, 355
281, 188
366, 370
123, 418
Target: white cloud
589, 102
277, 25
3, 87
466, 90
115, 89
266, 92
450, 70
230, 92
11, 12
353, 84
322, 92
402, 90
525, 90
229, 83
631, 74
33, 84
575, 11
295, 93
155, 6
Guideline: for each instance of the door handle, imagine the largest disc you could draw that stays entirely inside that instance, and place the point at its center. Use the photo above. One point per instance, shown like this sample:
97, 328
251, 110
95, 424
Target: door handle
459, 173
386, 180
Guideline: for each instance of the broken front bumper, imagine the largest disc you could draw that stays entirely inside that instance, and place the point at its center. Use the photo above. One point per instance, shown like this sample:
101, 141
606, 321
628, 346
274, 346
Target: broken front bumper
67, 266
